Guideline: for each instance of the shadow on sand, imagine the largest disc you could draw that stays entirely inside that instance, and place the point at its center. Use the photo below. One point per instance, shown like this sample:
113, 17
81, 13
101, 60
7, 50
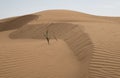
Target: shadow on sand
16, 22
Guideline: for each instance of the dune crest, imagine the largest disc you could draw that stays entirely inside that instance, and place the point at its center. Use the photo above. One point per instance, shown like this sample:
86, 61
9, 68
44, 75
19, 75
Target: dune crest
15, 23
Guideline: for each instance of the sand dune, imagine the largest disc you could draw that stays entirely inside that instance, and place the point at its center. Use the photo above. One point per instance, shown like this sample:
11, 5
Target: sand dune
81, 46
72, 34
16, 22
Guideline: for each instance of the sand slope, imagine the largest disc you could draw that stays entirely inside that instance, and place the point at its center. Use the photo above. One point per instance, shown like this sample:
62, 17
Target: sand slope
16, 23
81, 46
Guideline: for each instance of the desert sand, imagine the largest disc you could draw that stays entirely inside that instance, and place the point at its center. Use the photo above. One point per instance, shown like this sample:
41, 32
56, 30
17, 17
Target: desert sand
60, 44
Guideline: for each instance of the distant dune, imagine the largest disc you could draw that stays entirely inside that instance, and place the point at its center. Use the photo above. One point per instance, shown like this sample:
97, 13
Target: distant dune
60, 44
16, 23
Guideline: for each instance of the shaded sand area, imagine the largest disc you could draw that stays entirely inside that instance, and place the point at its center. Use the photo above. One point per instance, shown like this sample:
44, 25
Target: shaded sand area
81, 46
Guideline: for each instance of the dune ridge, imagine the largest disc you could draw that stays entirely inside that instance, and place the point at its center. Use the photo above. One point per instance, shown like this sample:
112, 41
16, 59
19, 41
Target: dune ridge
15, 23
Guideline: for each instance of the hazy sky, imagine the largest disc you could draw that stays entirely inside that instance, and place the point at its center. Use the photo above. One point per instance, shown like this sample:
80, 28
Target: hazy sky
9, 8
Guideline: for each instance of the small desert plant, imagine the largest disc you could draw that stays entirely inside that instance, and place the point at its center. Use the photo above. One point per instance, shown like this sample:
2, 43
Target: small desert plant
46, 35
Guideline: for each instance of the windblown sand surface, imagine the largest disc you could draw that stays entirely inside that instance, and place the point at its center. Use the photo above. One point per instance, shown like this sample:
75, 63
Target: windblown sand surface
81, 46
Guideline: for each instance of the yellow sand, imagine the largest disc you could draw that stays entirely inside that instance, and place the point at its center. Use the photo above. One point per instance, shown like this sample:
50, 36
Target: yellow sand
25, 53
